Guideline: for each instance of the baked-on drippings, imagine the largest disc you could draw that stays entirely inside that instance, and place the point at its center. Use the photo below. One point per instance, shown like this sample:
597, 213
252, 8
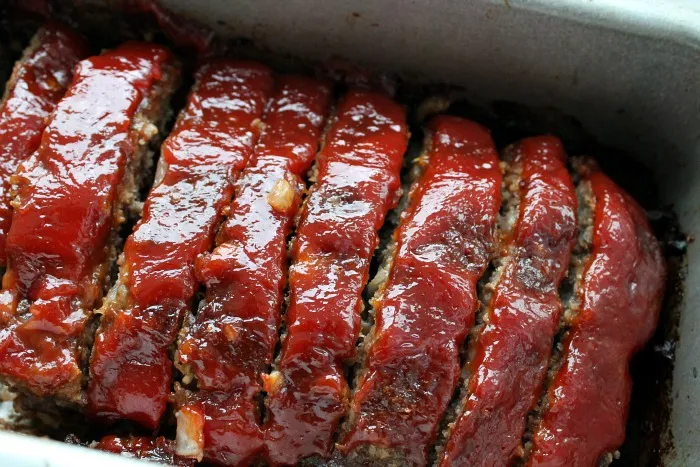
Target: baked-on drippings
67, 204
511, 353
619, 300
229, 344
131, 367
38, 82
357, 183
426, 307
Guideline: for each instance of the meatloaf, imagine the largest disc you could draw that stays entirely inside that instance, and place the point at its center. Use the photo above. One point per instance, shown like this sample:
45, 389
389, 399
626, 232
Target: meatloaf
241, 324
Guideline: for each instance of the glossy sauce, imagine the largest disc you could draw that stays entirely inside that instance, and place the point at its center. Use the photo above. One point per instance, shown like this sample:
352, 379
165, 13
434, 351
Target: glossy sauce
620, 296
426, 307
158, 449
230, 344
131, 370
357, 184
58, 244
38, 82
511, 354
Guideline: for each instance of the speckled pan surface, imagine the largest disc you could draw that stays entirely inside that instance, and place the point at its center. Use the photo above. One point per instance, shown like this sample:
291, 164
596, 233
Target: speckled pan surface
629, 70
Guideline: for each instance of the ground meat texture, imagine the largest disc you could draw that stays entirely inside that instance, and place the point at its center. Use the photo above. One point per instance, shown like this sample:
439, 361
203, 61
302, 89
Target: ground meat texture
159, 450
620, 296
211, 143
38, 82
511, 354
229, 344
358, 182
70, 197
426, 307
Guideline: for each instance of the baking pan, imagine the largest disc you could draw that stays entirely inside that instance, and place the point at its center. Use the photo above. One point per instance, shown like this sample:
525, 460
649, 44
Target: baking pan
625, 73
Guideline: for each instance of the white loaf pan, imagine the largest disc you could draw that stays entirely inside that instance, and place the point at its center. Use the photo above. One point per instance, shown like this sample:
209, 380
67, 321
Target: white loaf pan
629, 70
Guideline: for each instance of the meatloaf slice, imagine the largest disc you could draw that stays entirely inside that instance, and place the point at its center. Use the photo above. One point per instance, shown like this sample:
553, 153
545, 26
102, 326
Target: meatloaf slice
357, 183
510, 355
229, 344
131, 366
619, 296
426, 307
70, 199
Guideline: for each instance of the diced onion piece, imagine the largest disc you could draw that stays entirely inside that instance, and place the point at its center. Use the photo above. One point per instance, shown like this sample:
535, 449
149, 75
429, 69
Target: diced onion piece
272, 382
281, 196
189, 437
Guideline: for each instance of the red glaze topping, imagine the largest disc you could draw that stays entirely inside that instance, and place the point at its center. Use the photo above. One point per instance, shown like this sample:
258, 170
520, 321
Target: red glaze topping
426, 307
38, 82
511, 355
357, 184
153, 449
57, 246
212, 141
231, 342
620, 297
